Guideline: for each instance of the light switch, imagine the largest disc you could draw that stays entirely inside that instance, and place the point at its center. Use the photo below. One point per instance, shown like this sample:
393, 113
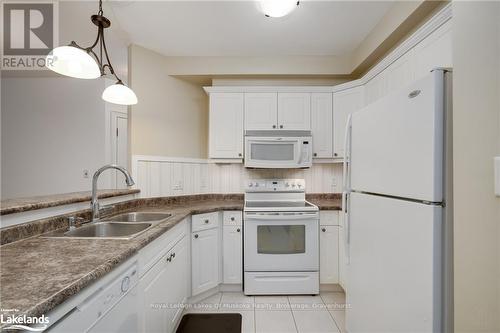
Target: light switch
497, 176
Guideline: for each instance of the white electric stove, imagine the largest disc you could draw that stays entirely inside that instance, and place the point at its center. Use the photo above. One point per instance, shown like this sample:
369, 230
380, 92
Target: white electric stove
281, 239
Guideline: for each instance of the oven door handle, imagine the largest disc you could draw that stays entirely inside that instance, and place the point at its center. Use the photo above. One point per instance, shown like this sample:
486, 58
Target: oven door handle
281, 216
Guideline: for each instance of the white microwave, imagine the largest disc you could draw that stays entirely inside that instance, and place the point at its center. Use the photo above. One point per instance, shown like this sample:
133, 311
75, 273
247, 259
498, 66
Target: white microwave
278, 149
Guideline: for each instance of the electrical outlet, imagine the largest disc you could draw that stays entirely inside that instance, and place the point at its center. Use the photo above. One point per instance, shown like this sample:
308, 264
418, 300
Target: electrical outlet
178, 186
85, 173
334, 184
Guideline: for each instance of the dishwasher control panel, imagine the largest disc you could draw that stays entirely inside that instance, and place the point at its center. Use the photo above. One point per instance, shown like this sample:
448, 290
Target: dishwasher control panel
98, 304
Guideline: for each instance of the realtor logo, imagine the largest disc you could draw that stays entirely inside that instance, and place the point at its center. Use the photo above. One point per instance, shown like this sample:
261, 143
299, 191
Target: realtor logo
29, 32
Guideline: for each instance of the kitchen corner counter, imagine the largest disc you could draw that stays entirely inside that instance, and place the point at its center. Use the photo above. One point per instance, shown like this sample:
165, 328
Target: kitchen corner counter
19, 205
40, 273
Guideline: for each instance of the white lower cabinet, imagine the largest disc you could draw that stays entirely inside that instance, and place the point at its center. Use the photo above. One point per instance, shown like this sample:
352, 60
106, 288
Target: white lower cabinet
329, 231
163, 288
204, 260
329, 254
232, 254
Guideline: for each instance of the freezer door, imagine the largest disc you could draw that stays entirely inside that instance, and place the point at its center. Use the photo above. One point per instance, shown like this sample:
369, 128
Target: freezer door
397, 143
394, 273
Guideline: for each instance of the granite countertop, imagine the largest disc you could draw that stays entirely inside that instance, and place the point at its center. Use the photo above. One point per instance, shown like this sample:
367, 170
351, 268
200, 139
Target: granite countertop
18, 205
40, 273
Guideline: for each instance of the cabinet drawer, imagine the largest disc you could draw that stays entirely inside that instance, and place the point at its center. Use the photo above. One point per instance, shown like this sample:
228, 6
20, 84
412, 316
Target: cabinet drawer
232, 217
205, 221
329, 217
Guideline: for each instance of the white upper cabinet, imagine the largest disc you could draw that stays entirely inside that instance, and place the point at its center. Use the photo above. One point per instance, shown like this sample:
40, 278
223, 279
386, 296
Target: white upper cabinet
434, 51
261, 111
226, 125
268, 111
322, 124
294, 111
400, 73
345, 102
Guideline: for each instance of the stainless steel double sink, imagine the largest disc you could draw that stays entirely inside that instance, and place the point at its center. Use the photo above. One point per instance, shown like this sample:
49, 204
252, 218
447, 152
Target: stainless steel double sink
122, 226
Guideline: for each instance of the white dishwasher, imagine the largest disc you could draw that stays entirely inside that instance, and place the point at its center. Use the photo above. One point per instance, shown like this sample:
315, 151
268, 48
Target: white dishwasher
112, 308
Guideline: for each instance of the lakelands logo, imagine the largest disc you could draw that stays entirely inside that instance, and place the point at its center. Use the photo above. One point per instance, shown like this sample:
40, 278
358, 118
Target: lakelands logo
24, 323
29, 33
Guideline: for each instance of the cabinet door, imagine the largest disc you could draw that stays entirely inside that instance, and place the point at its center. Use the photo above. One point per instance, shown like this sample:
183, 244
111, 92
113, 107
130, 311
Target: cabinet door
179, 283
261, 111
400, 73
294, 111
205, 260
329, 254
155, 289
345, 102
322, 124
434, 51
232, 254
226, 125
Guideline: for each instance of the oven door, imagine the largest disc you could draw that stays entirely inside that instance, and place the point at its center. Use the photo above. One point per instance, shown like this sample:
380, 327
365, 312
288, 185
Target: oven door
286, 241
273, 152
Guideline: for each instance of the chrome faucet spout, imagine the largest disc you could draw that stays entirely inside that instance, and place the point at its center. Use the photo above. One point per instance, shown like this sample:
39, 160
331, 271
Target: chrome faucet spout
95, 200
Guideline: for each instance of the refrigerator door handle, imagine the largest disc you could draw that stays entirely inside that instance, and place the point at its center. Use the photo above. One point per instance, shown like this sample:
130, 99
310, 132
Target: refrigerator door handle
347, 187
345, 166
347, 233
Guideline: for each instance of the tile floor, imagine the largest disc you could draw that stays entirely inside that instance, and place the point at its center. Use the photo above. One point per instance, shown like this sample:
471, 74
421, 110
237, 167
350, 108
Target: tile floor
280, 314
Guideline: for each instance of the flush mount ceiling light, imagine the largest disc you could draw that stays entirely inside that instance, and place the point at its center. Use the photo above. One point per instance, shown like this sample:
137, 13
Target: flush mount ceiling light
84, 63
277, 8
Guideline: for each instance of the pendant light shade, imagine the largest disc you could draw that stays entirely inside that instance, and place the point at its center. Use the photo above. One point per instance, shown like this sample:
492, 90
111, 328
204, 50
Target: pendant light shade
277, 8
91, 62
119, 93
74, 62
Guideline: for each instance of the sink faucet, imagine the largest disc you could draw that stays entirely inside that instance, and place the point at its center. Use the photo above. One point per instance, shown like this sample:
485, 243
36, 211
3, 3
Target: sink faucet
95, 200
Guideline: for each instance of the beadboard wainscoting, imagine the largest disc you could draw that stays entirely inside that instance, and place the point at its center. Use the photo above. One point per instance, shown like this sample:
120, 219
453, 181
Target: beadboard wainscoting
159, 176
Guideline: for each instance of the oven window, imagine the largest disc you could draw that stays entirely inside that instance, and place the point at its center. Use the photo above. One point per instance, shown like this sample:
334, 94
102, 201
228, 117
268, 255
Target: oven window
281, 239
272, 152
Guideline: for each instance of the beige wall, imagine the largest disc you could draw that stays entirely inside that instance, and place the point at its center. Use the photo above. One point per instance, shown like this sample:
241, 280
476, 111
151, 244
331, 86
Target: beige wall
171, 118
476, 52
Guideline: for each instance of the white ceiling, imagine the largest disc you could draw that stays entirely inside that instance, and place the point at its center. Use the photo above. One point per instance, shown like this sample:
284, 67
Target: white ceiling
238, 28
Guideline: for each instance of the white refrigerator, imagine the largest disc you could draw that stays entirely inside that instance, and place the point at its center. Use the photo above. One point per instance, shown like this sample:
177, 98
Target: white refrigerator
397, 210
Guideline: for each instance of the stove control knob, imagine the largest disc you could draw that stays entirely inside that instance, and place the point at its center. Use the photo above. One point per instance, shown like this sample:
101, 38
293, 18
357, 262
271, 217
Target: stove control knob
250, 184
256, 184
299, 185
293, 185
287, 184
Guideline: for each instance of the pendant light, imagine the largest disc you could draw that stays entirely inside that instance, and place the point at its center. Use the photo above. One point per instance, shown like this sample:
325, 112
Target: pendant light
84, 63
277, 8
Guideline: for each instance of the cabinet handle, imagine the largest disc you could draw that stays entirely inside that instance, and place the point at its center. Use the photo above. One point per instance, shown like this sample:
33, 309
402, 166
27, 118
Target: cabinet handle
238, 230
274, 126
281, 126
315, 154
232, 218
206, 221
323, 229
335, 154
173, 255
240, 154
196, 236
169, 259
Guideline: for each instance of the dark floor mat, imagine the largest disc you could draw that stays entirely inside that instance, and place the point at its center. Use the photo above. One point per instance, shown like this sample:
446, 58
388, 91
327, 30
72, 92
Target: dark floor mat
210, 323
